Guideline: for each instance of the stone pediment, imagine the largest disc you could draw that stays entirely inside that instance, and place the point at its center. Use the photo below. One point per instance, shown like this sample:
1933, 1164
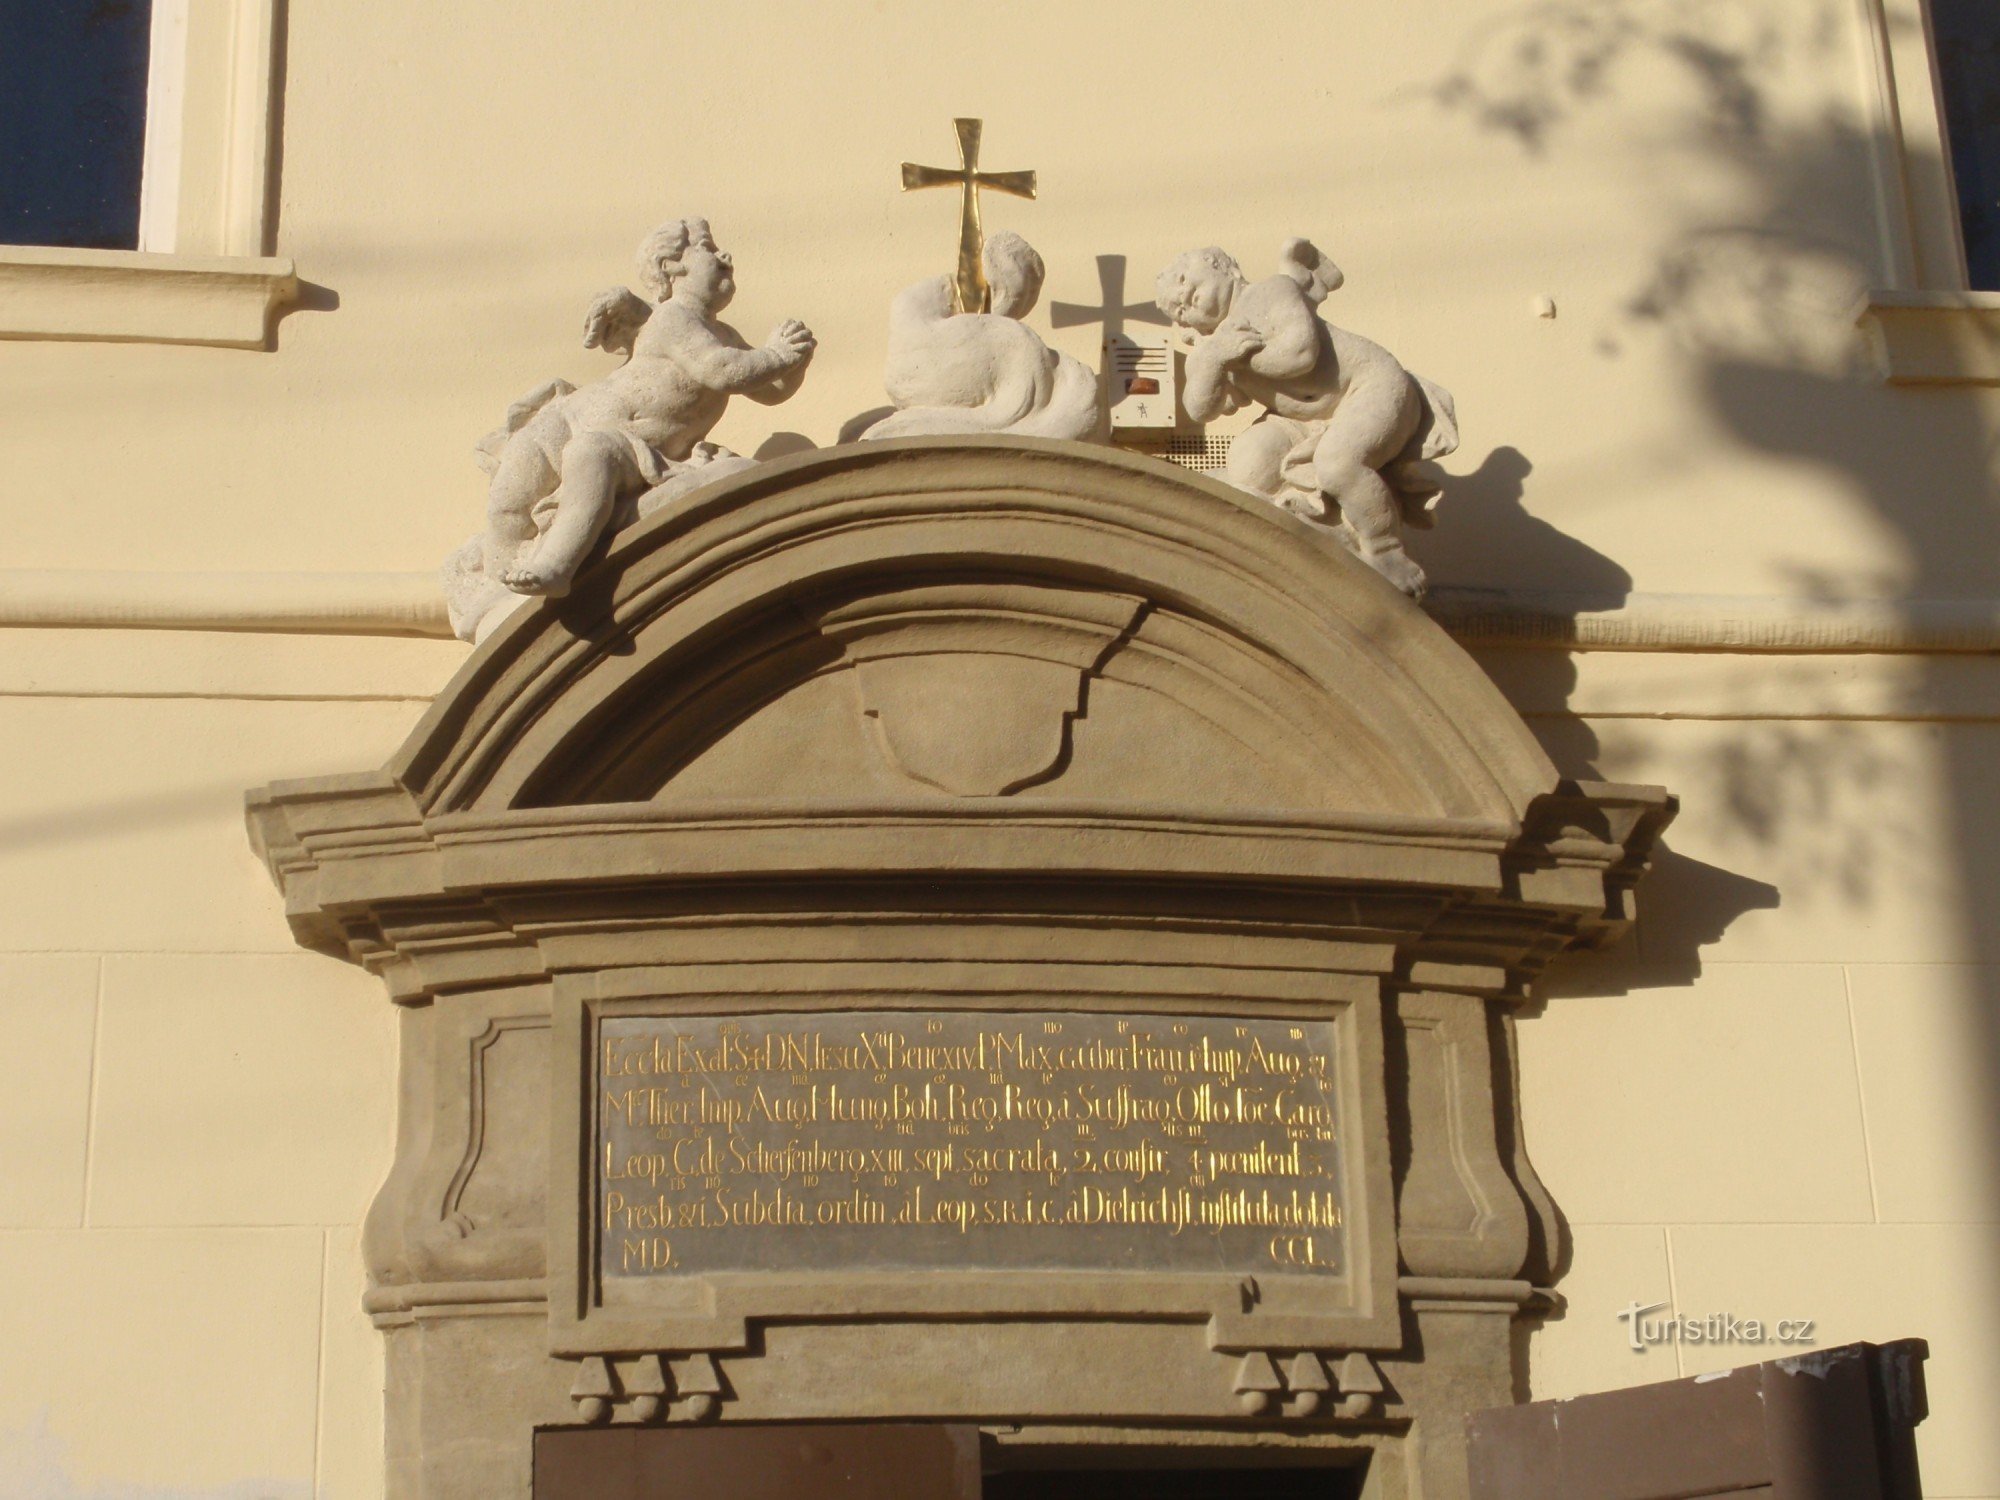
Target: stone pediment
1076, 783
769, 639
955, 657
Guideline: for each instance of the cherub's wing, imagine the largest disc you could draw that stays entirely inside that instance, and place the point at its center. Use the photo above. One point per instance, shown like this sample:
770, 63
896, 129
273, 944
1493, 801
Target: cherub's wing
490, 447
1304, 263
614, 320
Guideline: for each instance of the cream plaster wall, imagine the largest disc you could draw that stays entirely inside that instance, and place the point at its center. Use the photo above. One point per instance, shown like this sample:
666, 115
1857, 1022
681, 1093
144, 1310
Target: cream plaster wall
193, 1113
1776, 1103
1779, 1101
1689, 180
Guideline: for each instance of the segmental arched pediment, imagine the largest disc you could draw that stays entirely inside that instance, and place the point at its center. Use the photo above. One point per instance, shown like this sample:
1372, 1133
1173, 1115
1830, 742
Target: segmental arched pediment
949, 619
994, 657
914, 738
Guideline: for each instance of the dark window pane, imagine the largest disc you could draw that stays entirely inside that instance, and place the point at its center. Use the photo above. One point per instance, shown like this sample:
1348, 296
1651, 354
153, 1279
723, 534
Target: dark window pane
72, 121
1968, 47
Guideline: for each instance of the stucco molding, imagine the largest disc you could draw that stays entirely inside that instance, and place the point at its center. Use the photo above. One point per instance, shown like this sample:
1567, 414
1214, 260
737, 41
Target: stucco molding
380, 604
412, 604
1715, 623
125, 296
1936, 338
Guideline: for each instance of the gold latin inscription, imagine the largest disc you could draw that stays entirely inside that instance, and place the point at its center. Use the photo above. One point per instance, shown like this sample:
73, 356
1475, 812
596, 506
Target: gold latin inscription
968, 1139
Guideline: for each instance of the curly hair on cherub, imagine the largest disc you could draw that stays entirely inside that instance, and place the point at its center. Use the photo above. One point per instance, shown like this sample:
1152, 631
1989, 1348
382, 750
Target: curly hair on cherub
1167, 289
661, 251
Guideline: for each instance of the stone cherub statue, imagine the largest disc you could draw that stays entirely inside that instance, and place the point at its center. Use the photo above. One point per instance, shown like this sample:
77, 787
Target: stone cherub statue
567, 460
1344, 424
964, 372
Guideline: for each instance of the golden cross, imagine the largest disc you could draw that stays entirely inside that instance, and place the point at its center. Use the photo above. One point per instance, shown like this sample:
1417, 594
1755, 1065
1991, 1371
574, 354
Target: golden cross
969, 283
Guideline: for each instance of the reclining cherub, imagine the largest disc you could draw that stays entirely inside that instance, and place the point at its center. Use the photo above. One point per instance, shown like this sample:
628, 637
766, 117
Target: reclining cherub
952, 372
1344, 423
567, 458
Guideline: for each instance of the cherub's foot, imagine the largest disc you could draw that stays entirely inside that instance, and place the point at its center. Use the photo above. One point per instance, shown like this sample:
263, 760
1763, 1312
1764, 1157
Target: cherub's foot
1307, 508
1396, 565
531, 578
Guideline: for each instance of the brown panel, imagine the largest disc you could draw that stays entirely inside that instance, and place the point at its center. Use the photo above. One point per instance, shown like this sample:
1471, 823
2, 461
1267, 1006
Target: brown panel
1195, 1482
859, 1462
1833, 1424
1514, 1452
1686, 1437
1841, 1423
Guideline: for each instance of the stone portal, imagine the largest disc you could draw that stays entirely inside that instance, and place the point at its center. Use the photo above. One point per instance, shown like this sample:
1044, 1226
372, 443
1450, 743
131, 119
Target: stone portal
991, 932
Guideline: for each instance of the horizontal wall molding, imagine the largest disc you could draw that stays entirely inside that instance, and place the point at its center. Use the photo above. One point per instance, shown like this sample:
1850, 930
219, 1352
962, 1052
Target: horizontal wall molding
279, 603
412, 604
1721, 623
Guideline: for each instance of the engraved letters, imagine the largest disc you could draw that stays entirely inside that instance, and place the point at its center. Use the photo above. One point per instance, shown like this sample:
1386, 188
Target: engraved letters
900, 1139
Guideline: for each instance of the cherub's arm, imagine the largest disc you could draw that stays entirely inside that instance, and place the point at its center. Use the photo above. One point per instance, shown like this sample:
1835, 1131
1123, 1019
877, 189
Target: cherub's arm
1211, 390
614, 320
1207, 394
1287, 324
713, 362
771, 392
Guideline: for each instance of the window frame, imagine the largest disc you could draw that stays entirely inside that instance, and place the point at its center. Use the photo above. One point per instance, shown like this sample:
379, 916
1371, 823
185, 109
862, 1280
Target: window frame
1928, 324
1923, 241
203, 272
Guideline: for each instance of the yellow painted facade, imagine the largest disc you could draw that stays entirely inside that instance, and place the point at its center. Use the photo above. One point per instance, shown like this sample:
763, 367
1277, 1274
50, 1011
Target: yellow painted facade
1777, 1102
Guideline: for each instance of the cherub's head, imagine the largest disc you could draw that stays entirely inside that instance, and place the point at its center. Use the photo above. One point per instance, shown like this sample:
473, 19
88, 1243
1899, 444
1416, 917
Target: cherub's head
1014, 272
1197, 287
684, 248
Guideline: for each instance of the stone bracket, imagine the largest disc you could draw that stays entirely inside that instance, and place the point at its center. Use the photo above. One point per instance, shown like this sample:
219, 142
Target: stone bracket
1304, 1388
684, 1387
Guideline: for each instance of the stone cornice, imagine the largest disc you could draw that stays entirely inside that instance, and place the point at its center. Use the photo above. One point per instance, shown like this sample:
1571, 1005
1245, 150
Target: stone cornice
1387, 798
460, 901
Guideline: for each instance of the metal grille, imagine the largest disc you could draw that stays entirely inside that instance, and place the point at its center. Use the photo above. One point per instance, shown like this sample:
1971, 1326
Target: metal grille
1206, 454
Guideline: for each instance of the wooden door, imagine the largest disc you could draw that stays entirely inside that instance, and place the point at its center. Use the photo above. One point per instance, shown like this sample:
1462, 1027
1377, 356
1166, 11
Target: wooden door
863, 1461
899, 1461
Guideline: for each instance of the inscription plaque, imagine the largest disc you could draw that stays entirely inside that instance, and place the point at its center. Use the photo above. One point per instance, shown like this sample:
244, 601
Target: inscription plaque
995, 1140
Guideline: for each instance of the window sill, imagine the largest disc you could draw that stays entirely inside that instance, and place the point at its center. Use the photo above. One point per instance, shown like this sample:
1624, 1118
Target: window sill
124, 296
1937, 338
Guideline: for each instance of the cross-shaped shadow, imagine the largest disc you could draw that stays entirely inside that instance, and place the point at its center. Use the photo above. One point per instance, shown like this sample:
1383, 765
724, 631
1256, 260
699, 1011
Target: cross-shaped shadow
1113, 311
